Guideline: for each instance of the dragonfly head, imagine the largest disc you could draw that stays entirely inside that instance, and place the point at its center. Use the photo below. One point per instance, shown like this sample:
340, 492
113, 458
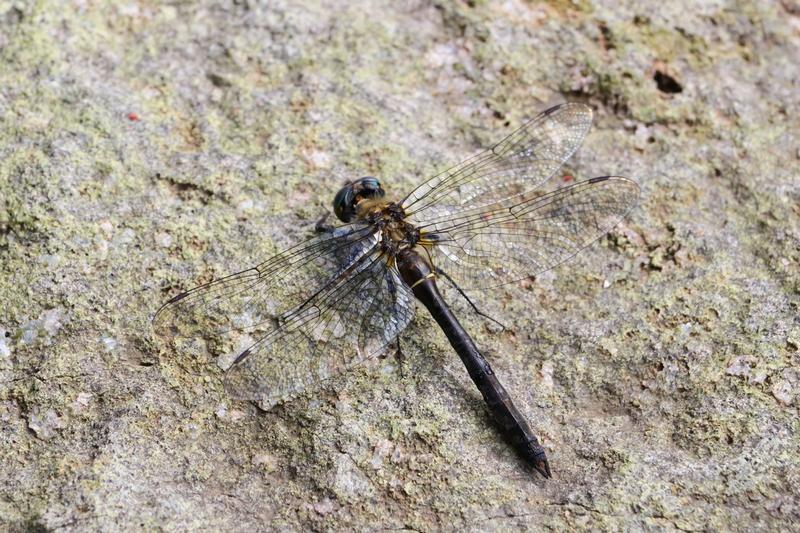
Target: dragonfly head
345, 204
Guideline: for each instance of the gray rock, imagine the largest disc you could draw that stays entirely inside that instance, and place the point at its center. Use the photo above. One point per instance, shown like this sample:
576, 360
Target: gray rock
147, 147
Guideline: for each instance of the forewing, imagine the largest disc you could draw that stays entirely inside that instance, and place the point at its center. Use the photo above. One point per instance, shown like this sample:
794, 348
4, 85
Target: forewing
291, 296
552, 136
528, 233
491, 220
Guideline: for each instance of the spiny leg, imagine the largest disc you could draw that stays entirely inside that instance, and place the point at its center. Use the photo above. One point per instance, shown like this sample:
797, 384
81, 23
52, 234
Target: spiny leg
322, 225
446, 276
400, 356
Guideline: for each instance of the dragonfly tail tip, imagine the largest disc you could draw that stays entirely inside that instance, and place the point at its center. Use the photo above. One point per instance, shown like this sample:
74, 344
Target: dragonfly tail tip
543, 467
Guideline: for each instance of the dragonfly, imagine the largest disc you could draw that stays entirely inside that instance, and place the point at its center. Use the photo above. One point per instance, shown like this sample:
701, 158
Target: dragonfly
344, 295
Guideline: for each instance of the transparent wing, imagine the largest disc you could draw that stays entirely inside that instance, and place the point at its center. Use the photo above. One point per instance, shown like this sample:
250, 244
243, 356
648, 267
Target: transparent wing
491, 220
349, 321
504, 169
303, 314
527, 233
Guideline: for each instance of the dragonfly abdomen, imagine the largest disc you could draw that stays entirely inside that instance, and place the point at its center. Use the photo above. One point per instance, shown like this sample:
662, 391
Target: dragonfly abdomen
419, 276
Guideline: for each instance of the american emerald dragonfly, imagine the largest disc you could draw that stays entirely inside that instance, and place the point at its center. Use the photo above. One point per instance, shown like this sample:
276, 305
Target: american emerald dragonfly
341, 297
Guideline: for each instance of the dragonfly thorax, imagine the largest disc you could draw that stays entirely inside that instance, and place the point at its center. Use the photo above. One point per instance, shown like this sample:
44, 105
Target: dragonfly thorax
389, 219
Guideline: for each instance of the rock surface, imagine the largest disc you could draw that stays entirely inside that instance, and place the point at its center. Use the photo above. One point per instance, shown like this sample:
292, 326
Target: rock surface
148, 145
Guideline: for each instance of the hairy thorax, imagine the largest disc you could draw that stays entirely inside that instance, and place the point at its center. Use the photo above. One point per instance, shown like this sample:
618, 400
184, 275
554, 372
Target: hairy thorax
396, 233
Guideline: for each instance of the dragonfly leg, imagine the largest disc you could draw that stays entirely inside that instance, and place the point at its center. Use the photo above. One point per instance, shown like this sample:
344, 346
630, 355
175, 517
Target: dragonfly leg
400, 356
446, 276
322, 225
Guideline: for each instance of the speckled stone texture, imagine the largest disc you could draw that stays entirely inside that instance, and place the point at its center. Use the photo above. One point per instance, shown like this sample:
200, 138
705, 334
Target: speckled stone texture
145, 147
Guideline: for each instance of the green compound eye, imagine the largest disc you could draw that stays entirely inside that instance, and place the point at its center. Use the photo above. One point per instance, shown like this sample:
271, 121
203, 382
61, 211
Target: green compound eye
348, 197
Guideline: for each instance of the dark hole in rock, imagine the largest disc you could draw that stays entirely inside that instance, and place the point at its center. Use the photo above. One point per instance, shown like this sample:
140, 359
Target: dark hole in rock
218, 80
666, 83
